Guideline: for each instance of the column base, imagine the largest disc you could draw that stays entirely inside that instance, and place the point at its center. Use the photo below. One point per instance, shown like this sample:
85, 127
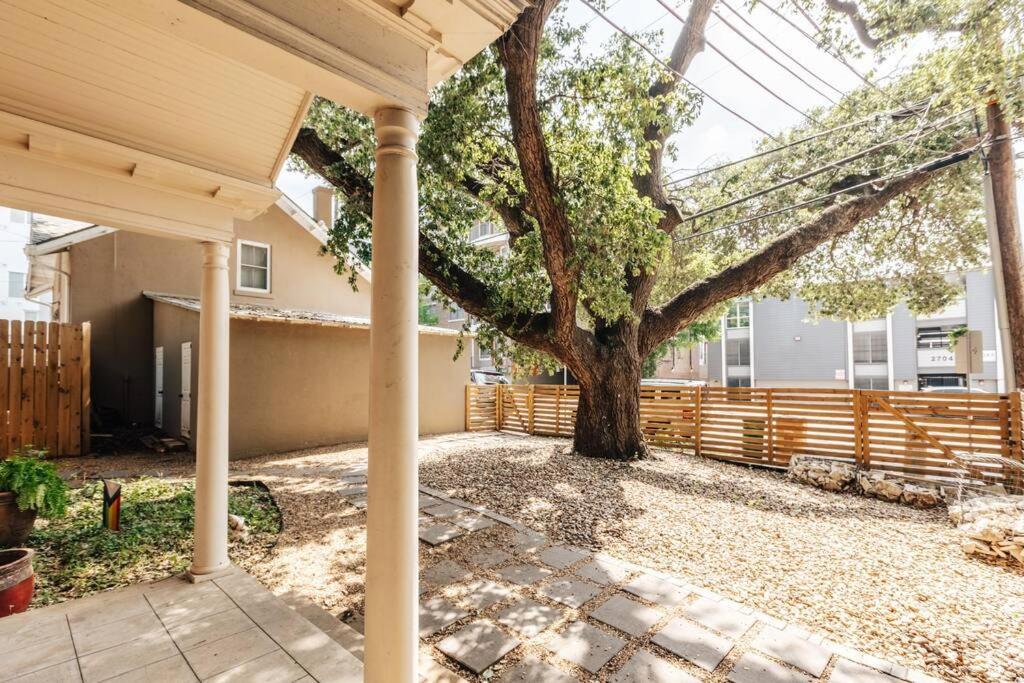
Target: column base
205, 576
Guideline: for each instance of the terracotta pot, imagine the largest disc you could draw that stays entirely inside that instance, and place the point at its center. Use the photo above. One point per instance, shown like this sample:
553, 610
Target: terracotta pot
15, 524
17, 580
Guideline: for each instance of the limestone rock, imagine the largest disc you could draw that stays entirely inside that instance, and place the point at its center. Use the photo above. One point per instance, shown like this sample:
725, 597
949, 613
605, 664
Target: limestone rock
831, 475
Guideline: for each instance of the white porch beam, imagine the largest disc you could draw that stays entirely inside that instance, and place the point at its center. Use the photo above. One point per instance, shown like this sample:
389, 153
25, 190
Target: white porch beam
211, 525
392, 561
53, 170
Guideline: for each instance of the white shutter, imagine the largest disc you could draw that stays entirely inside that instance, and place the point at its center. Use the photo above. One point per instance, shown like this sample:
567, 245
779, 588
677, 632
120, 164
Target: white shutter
158, 383
186, 389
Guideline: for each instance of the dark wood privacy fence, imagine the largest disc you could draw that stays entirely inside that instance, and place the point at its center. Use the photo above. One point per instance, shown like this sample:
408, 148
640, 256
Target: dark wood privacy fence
915, 434
44, 387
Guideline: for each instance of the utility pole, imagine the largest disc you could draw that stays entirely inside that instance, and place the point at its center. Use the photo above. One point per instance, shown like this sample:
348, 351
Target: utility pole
1004, 243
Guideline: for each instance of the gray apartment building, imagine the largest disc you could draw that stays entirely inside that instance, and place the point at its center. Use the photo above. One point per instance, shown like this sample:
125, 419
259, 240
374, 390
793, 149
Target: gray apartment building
774, 343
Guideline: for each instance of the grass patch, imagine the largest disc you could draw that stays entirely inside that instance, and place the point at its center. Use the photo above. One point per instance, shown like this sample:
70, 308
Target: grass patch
76, 556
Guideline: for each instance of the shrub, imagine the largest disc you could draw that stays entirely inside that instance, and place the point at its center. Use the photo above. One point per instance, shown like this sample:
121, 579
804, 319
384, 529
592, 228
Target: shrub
34, 482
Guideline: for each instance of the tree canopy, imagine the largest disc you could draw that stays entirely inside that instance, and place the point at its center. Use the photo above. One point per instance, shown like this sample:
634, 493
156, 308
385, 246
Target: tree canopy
567, 147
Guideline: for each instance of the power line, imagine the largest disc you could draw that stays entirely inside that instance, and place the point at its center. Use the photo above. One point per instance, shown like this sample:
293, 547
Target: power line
678, 73
613, 4
898, 113
786, 54
946, 123
838, 56
931, 165
739, 68
771, 57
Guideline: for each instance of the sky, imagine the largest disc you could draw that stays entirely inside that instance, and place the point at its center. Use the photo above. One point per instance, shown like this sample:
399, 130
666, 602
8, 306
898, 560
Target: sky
717, 135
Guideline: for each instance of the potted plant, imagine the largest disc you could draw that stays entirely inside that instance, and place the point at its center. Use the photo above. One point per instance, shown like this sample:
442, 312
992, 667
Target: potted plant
29, 487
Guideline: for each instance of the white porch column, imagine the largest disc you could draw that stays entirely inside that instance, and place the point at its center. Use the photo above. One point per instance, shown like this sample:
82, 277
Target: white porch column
211, 532
392, 564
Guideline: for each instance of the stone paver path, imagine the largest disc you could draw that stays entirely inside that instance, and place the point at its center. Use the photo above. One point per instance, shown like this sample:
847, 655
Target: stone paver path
526, 609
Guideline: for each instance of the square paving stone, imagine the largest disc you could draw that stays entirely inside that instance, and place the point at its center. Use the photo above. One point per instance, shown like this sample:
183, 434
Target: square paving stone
602, 571
436, 534
529, 541
719, 616
428, 501
437, 613
569, 592
350, 490
626, 615
524, 574
752, 668
644, 667
478, 646
357, 502
693, 643
353, 479
444, 573
532, 670
793, 650
658, 591
489, 557
528, 617
586, 646
482, 594
473, 522
444, 510
851, 672
560, 556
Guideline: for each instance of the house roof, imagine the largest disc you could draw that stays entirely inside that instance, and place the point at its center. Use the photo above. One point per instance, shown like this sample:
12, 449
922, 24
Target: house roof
46, 228
293, 316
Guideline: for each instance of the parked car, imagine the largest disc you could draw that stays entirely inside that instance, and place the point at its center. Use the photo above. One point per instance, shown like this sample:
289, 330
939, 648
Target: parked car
484, 377
953, 390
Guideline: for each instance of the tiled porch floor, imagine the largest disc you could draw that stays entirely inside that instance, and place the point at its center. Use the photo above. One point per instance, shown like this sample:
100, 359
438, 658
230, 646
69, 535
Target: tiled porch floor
227, 629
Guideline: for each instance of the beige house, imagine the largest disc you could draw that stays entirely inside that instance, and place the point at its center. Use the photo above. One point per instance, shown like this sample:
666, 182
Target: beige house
297, 329
174, 118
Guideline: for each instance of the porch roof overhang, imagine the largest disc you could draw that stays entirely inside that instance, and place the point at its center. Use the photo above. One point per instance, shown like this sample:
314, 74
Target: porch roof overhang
175, 116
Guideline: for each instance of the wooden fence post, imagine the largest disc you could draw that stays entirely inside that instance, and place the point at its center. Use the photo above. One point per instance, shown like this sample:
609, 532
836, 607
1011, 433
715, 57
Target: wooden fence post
499, 399
86, 388
697, 420
529, 410
769, 431
860, 434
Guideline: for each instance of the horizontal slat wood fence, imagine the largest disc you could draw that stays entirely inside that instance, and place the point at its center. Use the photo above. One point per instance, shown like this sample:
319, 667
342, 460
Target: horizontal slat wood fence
929, 435
44, 387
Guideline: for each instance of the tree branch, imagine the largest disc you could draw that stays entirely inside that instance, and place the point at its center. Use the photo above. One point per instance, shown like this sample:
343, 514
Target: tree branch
689, 43
774, 258
857, 20
518, 51
458, 284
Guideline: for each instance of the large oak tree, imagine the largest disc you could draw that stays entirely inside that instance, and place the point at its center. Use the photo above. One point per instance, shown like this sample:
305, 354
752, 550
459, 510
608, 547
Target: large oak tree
568, 149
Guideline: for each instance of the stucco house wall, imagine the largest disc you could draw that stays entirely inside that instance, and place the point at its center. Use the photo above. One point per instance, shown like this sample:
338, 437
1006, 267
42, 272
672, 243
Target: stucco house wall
109, 274
311, 387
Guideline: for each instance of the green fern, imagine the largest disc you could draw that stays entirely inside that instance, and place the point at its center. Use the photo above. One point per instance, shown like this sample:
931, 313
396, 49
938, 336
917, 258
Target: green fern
34, 482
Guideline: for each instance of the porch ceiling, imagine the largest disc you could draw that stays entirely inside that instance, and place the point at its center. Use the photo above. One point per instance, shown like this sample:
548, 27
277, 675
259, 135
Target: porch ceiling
175, 116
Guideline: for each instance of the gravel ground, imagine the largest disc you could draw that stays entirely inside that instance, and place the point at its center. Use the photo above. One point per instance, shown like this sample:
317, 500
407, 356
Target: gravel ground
884, 578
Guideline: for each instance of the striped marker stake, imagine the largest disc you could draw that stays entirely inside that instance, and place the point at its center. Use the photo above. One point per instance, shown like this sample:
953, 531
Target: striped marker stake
111, 505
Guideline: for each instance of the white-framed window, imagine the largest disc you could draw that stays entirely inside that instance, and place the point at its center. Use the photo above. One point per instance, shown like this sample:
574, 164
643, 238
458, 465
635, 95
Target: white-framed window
737, 351
253, 267
702, 355
738, 316
456, 314
484, 352
15, 285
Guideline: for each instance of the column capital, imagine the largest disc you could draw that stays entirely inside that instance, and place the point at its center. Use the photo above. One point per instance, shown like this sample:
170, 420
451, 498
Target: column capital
397, 131
215, 254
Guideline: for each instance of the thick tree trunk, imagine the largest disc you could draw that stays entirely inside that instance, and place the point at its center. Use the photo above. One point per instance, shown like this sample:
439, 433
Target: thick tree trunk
608, 417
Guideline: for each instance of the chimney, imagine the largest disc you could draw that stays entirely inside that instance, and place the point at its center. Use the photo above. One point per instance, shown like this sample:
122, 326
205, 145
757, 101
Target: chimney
323, 205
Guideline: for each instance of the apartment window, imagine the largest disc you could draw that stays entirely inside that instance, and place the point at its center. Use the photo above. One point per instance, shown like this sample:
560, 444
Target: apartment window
16, 285
872, 383
870, 347
253, 267
737, 352
484, 352
18, 216
456, 314
739, 315
934, 337
738, 382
